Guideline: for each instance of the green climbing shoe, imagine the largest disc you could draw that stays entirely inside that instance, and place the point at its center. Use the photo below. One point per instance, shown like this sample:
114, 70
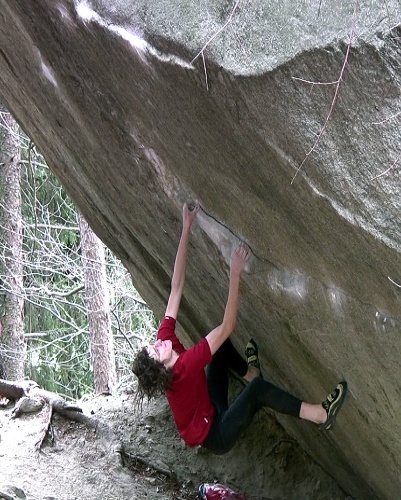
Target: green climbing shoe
332, 405
251, 354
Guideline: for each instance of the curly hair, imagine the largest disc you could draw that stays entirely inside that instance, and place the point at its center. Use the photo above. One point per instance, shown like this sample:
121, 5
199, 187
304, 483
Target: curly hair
153, 377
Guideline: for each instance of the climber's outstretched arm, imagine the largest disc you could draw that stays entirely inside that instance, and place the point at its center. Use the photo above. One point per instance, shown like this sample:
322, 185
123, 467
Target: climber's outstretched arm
217, 336
180, 265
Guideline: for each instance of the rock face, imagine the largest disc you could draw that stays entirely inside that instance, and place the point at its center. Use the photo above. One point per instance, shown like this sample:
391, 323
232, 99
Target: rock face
133, 126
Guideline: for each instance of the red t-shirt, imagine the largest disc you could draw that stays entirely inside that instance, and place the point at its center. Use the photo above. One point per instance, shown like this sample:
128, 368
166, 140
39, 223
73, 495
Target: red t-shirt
188, 395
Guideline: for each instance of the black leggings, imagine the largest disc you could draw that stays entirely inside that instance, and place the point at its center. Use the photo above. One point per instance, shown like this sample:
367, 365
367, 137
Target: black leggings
231, 421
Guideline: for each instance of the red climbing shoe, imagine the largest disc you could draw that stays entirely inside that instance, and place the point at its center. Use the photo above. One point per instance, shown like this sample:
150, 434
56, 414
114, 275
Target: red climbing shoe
218, 492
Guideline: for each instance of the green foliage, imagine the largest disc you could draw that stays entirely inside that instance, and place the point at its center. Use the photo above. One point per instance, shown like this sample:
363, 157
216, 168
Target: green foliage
133, 323
56, 326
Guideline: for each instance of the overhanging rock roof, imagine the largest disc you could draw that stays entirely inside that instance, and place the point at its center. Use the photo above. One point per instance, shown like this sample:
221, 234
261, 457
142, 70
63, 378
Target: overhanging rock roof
133, 126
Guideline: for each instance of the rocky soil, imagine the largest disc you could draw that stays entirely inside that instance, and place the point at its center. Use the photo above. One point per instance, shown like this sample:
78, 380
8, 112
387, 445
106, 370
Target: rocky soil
75, 462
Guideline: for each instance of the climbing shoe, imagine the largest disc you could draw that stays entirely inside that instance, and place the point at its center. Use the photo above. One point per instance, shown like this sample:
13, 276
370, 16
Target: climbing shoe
251, 354
332, 404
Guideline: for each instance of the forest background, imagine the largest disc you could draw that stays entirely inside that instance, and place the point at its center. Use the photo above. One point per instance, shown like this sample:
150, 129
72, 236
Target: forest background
70, 318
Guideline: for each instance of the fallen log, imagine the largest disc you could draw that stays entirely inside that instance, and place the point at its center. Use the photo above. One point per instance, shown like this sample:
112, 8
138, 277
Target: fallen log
29, 397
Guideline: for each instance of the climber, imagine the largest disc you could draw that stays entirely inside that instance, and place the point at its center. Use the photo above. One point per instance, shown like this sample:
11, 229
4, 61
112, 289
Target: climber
198, 400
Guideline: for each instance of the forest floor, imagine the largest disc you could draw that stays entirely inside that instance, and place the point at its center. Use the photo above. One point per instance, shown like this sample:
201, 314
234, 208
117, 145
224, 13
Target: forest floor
73, 464
145, 459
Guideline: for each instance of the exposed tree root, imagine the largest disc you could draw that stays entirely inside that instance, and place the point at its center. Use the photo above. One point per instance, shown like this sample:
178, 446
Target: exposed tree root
162, 468
29, 398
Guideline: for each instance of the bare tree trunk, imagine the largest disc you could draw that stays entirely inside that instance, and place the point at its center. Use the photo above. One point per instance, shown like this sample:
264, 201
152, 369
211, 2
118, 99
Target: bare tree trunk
12, 342
97, 305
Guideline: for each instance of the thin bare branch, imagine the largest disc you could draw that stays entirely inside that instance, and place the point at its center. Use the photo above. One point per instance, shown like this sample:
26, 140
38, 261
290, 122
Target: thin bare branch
122, 332
217, 32
314, 83
393, 282
57, 227
333, 102
388, 170
392, 117
204, 67
79, 288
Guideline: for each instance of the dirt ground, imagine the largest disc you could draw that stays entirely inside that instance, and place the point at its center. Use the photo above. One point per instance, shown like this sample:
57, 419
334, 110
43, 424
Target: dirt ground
73, 464
76, 462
